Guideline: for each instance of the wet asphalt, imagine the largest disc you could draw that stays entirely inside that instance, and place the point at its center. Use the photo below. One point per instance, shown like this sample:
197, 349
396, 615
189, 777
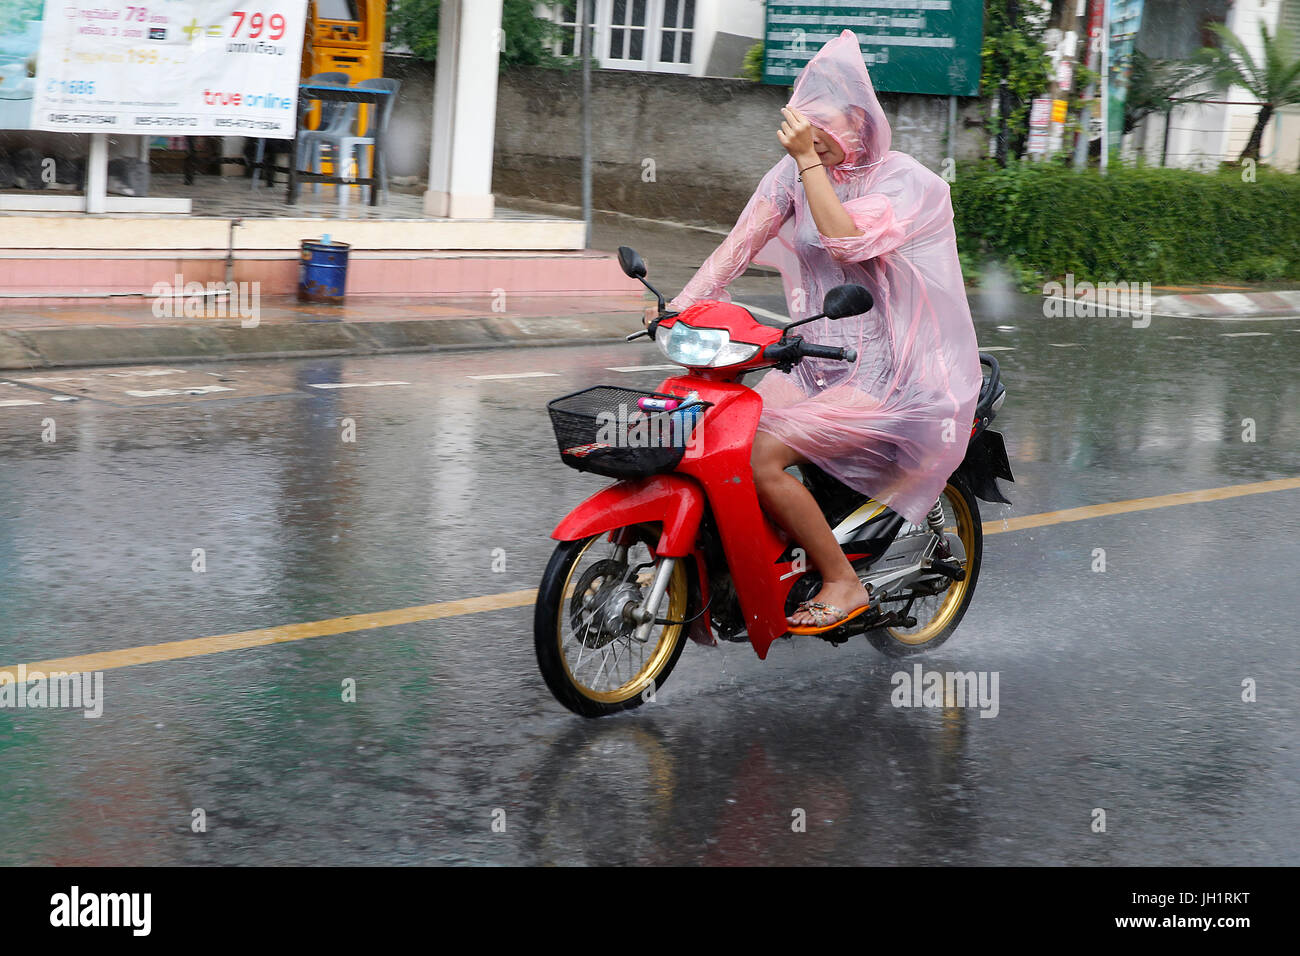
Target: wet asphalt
1119, 690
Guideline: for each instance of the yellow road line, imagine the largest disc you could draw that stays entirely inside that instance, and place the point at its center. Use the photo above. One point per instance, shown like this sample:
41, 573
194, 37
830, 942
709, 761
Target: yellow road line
196, 647
1139, 504
199, 646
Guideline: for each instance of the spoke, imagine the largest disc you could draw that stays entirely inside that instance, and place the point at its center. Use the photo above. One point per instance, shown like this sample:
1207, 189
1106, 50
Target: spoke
604, 660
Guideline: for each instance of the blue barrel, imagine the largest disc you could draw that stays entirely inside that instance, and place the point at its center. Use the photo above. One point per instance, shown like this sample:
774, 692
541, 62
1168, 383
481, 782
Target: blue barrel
323, 273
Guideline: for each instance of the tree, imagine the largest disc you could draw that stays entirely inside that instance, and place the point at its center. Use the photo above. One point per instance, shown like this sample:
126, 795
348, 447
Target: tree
1158, 86
1014, 67
528, 37
1274, 80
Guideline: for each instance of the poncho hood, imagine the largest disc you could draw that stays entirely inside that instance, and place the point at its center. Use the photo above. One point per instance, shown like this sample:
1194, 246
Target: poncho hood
834, 92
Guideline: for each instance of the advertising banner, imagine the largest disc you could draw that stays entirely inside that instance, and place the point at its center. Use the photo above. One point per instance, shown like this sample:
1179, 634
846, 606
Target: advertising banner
156, 67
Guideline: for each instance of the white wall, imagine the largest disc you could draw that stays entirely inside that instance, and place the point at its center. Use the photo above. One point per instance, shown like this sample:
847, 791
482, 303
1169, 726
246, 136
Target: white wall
1204, 135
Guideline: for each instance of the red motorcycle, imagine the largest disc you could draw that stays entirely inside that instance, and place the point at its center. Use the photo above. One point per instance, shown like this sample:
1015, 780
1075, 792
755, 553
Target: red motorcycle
679, 545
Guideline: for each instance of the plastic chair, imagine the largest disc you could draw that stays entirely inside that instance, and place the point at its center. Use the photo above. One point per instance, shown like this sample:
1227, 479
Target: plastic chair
345, 147
329, 108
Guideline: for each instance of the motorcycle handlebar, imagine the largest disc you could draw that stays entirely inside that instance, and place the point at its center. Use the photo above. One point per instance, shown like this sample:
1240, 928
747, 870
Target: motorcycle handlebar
809, 350
792, 349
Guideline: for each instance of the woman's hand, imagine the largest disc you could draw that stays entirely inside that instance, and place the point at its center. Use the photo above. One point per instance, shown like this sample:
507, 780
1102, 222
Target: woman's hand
796, 135
651, 313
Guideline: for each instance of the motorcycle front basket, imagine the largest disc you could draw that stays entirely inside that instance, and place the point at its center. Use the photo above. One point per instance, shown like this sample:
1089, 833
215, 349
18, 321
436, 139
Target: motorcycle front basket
603, 430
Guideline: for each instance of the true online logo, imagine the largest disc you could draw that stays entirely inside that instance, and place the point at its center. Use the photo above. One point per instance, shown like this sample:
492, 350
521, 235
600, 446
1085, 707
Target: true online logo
266, 101
102, 909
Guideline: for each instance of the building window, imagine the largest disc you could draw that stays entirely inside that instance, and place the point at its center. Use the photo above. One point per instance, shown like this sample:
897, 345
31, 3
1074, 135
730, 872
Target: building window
564, 14
627, 30
677, 31
657, 35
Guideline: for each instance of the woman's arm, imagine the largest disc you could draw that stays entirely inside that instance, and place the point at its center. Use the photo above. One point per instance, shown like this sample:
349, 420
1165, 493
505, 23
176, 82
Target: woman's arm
832, 220
760, 221
852, 231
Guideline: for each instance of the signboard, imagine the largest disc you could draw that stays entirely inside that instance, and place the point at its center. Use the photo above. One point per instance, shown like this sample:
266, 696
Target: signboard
20, 38
917, 46
164, 67
1125, 22
1040, 111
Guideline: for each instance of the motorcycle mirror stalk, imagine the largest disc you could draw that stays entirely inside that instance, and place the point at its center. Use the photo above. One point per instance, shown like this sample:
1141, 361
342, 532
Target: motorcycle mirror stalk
841, 302
633, 267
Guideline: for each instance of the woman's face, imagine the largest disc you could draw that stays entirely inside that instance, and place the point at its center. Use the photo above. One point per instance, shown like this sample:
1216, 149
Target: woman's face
828, 151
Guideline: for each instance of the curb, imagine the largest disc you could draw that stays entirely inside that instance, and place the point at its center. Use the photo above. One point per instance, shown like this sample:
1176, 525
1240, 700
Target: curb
213, 342
1230, 305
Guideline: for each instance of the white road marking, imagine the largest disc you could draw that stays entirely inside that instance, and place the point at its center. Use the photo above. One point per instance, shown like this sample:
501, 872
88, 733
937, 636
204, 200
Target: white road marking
493, 378
1183, 337
1102, 307
1065, 345
65, 398
352, 384
161, 392
1237, 335
639, 368
14, 402
1006, 328
995, 348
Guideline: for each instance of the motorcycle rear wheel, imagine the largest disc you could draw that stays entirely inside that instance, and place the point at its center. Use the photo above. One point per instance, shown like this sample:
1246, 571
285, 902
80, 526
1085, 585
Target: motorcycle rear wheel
592, 662
937, 616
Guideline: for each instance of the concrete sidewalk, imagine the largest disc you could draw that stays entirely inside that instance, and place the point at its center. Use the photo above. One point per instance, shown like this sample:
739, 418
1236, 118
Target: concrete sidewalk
125, 330
122, 330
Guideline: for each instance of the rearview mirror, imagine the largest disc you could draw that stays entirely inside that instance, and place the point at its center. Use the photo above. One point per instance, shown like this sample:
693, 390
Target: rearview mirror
632, 263
843, 301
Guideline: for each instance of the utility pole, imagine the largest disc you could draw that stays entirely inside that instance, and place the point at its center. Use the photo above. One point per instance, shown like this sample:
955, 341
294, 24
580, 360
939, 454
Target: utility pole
585, 22
1105, 84
1004, 90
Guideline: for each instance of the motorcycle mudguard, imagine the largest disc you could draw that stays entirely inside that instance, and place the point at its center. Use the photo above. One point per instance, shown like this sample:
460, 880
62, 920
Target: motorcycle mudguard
676, 500
986, 459
751, 542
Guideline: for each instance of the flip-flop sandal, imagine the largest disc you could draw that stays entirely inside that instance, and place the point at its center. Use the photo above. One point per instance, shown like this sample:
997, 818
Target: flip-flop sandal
823, 613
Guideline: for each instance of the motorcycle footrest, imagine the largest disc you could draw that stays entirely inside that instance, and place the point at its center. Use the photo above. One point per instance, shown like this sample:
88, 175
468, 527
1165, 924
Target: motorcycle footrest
950, 571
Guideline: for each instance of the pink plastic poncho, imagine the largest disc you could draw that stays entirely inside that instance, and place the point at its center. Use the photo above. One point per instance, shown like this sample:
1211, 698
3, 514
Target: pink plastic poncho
894, 424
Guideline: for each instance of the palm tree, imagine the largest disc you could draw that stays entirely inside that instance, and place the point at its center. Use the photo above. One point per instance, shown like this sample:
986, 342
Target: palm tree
1159, 86
1274, 80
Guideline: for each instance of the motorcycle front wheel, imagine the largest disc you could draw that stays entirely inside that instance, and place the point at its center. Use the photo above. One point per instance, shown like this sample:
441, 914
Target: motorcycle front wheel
587, 648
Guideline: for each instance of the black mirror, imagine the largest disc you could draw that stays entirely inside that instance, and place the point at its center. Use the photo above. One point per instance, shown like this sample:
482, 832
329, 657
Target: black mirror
845, 300
632, 263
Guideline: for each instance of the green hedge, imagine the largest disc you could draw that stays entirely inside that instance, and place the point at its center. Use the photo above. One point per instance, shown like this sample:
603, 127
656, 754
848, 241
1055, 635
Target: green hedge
1135, 224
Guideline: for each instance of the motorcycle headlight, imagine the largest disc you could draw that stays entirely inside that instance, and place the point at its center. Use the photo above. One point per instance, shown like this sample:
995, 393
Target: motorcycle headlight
702, 348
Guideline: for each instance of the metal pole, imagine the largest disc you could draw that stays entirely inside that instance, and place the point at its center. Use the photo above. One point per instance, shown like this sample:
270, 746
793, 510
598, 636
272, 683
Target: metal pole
1105, 85
952, 128
584, 23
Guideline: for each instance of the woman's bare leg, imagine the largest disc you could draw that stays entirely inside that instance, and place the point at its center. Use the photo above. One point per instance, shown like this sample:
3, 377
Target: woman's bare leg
792, 506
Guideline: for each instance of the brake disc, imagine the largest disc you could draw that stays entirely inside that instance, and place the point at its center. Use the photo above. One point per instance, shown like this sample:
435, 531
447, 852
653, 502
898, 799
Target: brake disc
597, 616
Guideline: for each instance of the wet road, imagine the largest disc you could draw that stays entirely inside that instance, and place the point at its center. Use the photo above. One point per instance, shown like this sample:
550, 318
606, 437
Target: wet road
1118, 689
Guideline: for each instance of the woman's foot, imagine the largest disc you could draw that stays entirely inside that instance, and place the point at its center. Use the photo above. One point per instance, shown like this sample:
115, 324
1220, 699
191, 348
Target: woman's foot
846, 595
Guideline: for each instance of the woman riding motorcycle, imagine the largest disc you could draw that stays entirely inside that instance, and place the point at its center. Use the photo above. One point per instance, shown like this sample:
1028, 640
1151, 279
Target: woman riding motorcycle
842, 207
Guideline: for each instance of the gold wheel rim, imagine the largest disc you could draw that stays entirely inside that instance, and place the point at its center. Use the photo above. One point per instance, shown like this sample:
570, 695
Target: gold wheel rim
668, 636
957, 592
